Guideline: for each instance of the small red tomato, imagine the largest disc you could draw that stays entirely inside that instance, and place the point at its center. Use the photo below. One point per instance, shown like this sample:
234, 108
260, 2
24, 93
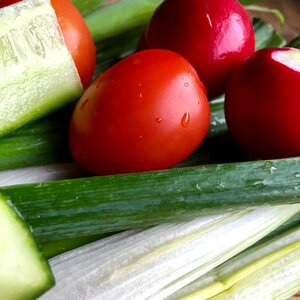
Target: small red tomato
77, 37
147, 112
262, 104
215, 36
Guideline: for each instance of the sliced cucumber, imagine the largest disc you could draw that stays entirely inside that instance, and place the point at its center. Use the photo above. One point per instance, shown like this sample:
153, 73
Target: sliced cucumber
24, 272
37, 72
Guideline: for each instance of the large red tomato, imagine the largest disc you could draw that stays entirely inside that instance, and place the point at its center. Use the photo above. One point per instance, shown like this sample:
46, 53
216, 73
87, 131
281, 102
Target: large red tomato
214, 35
77, 37
262, 104
149, 111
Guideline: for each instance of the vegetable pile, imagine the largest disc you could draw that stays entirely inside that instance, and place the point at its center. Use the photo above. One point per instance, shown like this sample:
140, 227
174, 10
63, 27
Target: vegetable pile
149, 150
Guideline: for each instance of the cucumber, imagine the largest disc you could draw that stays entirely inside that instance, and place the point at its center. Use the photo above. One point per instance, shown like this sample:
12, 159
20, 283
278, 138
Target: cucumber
37, 72
101, 204
24, 272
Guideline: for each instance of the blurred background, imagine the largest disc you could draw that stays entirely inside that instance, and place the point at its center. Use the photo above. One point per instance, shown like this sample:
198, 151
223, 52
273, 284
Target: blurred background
291, 12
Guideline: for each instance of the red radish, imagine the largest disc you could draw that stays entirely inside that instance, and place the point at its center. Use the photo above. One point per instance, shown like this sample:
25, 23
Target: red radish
262, 104
214, 35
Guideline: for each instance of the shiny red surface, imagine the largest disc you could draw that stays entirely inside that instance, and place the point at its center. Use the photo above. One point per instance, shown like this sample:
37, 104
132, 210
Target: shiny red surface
149, 111
214, 35
262, 106
77, 37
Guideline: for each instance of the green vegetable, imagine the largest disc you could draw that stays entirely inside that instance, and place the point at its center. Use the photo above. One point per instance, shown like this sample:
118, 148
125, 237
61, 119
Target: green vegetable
133, 264
24, 272
43, 142
266, 36
87, 6
32, 48
120, 17
294, 43
89, 206
269, 270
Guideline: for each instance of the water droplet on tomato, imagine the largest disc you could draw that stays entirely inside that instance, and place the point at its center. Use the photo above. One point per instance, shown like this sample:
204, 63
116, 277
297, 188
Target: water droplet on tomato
140, 95
140, 137
84, 103
158, 120
186, 84
209, 20
185, 120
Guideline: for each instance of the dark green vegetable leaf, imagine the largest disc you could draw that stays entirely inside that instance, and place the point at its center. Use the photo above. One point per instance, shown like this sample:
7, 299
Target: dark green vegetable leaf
294, 43
266, 36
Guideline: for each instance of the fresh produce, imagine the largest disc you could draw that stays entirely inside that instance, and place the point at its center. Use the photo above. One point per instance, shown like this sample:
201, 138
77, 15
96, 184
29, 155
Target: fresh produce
102, 204
37, 62
151, 106
68, 213
24, 272
214, 35
76, 36
269, 270
103, 270
262, 105
46, 141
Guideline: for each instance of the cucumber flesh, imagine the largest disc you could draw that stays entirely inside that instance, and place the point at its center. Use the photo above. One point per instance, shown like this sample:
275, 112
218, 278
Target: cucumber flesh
24, 272
37, 72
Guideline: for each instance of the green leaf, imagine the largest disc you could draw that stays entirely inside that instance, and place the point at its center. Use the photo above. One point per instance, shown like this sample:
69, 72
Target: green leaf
295, 43
266, 36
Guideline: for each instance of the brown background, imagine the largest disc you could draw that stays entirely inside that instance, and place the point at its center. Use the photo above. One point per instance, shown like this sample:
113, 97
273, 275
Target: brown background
291, 12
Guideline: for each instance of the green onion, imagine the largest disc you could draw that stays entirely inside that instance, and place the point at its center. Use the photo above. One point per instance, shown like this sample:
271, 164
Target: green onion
87, 6
41, 174
154, 263
102, 204
123, 16
270, 270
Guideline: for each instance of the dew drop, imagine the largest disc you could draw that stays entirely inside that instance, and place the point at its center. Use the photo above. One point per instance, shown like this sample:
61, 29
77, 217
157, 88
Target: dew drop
140, 95
186, 84
185, 120
140, 137
158, 120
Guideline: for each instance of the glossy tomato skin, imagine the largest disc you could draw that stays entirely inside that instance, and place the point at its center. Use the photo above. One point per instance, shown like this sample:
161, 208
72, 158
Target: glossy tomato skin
214, 35
147, 112
77, 37
262, 104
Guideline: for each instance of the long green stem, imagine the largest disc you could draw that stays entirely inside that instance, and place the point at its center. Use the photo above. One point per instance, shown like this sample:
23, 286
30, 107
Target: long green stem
94, 205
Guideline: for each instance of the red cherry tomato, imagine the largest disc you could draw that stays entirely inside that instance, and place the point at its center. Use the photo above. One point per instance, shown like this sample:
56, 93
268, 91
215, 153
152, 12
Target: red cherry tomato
77, 37
147, 112
214, 35
262, 104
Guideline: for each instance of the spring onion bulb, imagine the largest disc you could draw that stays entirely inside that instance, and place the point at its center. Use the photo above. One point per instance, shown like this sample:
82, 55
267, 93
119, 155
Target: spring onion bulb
40, 174
270, 270
154, 263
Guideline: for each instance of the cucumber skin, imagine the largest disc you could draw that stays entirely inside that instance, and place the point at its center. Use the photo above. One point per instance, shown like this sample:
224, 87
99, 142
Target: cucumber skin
25, 284
96, 205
